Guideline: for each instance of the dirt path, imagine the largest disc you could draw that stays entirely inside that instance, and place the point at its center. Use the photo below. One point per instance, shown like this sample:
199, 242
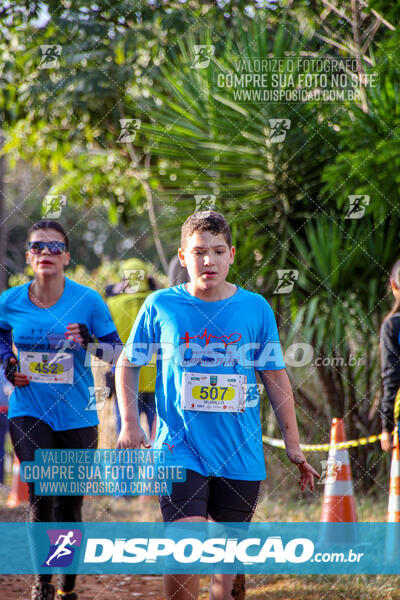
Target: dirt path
91, 587
122, 587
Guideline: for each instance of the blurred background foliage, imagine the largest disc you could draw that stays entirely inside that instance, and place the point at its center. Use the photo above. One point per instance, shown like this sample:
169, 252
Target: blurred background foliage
287, 202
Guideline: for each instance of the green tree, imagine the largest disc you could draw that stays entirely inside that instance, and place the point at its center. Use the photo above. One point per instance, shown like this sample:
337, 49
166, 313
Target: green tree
68, 117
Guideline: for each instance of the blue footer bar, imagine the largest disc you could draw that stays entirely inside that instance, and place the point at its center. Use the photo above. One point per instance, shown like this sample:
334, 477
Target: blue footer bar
155, 548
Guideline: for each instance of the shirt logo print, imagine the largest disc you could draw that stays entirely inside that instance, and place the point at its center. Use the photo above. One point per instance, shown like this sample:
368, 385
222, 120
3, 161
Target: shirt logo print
225, 339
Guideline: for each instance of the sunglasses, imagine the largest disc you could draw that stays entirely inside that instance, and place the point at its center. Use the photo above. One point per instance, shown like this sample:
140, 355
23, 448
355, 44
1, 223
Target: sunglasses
54, 247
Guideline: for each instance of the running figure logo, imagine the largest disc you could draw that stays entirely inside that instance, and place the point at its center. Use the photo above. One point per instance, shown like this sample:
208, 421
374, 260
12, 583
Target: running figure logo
329, 470
97, 397
252, 393
205, 202
50, 56
279, 129
53, 205
202, 56
63, 543
129, 128
132, 280
357, 206
286, 277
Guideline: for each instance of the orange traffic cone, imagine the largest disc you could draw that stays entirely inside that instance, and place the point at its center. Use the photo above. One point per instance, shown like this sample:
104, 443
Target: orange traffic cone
19, 489
393, 515
338, 504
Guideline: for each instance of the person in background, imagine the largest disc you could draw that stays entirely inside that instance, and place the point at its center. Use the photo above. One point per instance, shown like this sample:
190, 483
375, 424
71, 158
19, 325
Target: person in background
177, 273
390, 363
125, 299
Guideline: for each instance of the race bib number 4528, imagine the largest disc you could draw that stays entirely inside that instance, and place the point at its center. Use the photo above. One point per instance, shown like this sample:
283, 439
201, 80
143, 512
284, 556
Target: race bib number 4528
213, 393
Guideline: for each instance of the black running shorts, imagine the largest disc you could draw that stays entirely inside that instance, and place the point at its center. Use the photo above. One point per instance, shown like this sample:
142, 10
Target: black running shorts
218, 498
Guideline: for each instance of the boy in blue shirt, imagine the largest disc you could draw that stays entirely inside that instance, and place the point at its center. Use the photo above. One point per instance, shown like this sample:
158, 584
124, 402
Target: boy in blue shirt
210, 337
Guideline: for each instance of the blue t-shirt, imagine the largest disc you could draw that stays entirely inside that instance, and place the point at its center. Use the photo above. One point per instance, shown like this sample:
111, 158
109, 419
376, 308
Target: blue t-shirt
39, 333
236, 335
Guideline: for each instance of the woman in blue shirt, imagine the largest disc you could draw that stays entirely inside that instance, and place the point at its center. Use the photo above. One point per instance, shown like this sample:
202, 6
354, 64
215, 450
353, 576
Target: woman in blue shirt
50, 321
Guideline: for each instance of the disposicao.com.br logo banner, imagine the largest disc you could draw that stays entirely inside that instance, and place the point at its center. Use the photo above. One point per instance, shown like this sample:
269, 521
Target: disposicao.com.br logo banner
154, 548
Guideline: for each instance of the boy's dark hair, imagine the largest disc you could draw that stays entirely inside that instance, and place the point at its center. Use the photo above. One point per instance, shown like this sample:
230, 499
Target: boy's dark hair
206, 220
48, 224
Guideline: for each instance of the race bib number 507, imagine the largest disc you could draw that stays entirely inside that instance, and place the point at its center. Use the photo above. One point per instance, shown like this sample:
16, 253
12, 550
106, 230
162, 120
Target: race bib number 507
213, 393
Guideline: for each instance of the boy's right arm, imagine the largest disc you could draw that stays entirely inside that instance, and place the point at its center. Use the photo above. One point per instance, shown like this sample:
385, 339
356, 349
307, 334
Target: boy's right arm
127, 387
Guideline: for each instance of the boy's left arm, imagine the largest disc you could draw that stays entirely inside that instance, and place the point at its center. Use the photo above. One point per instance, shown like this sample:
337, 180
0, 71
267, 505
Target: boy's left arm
279, 390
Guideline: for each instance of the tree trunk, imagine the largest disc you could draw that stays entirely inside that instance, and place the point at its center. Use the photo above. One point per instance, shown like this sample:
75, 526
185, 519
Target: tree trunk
355, 25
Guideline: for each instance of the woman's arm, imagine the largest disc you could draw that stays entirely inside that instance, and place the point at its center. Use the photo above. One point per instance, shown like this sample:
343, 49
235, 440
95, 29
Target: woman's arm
5, 344
81, 335
9, 360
